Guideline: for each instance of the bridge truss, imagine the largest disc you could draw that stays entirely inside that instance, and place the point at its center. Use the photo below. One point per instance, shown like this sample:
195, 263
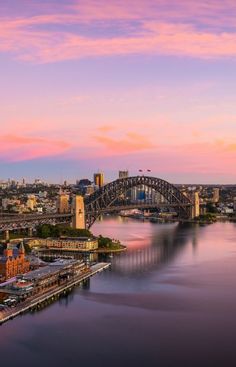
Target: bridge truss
104, 199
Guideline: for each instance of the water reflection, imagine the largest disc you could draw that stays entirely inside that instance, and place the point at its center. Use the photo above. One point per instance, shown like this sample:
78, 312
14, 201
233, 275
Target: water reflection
160, 245
168, 301
166, 242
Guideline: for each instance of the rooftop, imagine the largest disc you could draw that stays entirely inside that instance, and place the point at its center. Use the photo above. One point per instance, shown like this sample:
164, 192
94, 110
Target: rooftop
50, 269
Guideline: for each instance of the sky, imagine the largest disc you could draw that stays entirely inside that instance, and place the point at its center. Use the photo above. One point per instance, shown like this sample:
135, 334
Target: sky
119, 84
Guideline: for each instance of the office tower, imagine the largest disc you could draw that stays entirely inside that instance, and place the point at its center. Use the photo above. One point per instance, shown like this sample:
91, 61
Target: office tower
98, 179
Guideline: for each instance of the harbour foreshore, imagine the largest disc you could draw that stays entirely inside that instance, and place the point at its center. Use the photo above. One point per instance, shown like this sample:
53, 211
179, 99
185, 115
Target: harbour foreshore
9, 314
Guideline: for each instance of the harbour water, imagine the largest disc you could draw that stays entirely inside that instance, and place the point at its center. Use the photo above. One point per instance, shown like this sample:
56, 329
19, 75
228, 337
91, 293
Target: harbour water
170, 300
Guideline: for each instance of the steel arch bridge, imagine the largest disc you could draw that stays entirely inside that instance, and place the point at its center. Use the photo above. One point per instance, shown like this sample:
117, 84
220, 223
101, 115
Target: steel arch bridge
104, 199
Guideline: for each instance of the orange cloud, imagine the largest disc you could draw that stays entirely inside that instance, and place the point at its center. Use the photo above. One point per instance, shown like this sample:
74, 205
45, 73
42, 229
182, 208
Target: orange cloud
132, 142
105, 128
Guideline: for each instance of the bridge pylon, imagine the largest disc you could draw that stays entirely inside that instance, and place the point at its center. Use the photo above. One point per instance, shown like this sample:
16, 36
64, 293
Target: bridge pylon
196, 205
78, 212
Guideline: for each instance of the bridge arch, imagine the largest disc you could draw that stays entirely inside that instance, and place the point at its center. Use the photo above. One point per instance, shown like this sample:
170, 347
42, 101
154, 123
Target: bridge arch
102, 199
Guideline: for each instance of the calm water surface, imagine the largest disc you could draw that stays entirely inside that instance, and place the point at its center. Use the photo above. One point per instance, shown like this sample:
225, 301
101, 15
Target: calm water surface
169, 301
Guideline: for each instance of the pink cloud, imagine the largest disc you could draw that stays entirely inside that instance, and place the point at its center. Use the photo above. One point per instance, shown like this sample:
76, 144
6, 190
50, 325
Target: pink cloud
161, 29
19, 147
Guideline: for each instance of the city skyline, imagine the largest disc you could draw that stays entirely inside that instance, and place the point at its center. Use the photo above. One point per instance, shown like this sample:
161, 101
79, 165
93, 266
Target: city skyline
129, 85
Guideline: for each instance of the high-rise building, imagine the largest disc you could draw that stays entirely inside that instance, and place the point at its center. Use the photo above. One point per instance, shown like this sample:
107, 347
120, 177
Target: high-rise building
83, 182
216, 195
98, 179
63, 203
123, 174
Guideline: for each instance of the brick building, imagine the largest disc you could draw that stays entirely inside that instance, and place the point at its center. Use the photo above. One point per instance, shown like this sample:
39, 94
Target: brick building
13, 262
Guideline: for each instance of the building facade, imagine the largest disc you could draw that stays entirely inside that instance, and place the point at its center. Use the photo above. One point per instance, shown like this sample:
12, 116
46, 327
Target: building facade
65, 243
98, 179
13, 262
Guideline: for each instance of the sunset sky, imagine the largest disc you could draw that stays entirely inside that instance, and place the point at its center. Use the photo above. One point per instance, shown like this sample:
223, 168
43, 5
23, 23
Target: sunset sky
116, 84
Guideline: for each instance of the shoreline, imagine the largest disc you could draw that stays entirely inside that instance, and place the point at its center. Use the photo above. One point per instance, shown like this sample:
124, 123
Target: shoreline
50, 294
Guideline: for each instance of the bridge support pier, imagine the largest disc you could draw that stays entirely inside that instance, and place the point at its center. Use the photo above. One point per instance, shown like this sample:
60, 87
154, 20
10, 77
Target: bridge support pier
78, 212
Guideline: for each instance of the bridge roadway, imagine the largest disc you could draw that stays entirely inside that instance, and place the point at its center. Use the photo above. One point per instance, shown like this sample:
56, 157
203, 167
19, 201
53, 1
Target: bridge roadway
24, 221
10, 313
31, 220
140, 205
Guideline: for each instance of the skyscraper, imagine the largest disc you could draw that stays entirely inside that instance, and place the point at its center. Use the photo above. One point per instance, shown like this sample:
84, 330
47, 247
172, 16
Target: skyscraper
98, 179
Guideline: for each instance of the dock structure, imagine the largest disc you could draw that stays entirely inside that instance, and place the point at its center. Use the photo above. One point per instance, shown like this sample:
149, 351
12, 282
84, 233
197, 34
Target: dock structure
11, 313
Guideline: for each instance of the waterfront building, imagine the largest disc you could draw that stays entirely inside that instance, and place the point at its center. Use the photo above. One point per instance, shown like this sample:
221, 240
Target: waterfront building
72, 244
40, 280
98, 179
13, 262
65, 243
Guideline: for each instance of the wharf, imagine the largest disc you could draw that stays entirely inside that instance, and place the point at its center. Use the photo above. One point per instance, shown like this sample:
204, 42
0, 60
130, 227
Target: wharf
20, 309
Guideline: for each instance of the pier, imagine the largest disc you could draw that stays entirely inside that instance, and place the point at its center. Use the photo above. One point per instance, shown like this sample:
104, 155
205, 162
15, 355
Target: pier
9, 314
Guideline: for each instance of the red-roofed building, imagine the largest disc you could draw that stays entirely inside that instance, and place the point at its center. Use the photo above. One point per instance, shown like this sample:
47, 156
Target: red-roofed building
13, 262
